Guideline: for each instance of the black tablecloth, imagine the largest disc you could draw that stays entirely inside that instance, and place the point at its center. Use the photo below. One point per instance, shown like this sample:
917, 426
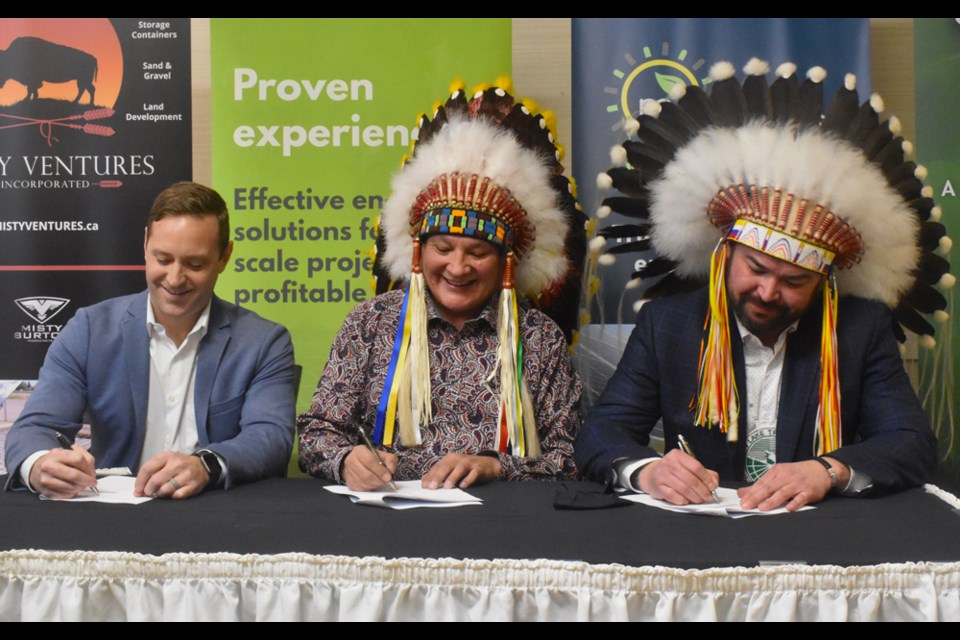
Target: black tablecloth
517, 520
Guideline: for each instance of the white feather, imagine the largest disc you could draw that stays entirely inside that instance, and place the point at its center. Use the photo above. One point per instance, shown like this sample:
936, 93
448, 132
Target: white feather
944, 245
786, 70
722, 70
816, 74
756, 67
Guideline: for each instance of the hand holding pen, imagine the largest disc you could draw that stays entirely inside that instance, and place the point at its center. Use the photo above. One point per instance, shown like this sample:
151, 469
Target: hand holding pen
678, 478
64, 472
365, 468
685, 447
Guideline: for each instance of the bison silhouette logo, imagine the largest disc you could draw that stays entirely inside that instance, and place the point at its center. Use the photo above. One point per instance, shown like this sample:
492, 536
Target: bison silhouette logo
33, 61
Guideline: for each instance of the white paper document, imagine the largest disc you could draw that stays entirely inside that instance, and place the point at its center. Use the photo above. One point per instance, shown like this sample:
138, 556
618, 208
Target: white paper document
408, 495
728, 507
113, 490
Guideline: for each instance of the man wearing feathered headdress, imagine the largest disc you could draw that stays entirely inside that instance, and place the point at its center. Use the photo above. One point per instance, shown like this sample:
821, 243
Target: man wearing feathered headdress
784, 370
459, 377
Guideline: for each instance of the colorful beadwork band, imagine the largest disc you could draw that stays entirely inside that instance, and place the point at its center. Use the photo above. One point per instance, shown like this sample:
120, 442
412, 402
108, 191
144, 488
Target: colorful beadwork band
464, 222
781, 246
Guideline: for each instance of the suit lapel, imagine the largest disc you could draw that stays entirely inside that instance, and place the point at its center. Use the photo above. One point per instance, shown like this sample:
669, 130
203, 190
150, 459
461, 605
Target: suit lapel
798, 388
136, 354
737, 451
209, 356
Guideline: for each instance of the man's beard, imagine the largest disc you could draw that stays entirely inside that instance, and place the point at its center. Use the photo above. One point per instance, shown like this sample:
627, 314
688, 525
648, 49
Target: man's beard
778, 319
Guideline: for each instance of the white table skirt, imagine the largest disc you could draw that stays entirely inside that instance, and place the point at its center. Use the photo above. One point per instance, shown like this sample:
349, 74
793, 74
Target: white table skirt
46, 585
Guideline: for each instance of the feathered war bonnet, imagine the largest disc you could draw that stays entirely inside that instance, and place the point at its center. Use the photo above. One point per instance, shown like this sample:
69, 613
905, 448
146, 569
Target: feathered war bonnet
765, 166
487, 167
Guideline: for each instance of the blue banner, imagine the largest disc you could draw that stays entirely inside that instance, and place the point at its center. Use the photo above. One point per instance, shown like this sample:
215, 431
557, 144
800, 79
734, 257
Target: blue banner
619, 62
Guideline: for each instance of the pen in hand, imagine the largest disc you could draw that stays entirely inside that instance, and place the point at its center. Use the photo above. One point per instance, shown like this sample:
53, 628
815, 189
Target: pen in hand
685, 447
65, 444
370, 447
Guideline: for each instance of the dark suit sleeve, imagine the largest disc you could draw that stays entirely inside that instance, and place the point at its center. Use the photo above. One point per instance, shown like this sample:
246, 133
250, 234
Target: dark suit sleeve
619, 425
886, 433
263, 446
58, 401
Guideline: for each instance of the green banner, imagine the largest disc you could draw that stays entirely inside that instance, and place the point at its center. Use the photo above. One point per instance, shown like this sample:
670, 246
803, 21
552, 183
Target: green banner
937, 46
310, 120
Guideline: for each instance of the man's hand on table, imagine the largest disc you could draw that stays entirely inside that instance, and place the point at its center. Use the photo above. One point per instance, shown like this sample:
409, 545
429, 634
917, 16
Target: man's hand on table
171, 475
793, 485
461, 470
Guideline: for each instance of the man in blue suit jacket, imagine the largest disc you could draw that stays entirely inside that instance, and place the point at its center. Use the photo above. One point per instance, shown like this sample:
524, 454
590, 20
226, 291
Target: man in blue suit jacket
887, 439
188, 389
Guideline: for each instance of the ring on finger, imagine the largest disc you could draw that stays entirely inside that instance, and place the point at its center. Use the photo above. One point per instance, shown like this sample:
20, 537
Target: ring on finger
173, 482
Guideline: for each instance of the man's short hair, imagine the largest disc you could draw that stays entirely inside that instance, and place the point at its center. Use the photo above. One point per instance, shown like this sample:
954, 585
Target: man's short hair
192, 199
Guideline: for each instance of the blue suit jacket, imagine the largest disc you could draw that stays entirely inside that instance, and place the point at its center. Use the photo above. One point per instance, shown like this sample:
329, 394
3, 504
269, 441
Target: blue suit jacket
98, 370
885, 431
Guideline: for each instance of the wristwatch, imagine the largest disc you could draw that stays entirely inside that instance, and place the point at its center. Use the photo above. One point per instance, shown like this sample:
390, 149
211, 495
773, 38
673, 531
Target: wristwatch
834, 478
212, 464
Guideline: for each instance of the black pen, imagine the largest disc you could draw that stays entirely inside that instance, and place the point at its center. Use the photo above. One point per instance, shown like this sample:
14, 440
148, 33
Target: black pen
687, 450
65, 444
369, 445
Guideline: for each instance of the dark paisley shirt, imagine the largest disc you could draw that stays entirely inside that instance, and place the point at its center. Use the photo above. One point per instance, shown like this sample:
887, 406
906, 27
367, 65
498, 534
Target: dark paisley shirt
465, 406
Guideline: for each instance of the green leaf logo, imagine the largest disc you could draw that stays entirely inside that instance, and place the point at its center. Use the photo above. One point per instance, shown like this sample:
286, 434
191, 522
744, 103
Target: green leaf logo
668, 82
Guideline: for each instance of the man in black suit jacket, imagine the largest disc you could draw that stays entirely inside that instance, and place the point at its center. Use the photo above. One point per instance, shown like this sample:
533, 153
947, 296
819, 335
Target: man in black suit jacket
886, 440
771, 374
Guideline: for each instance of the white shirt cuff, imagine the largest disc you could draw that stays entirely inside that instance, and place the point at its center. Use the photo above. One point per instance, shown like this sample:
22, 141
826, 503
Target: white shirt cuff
27, 467
626, 471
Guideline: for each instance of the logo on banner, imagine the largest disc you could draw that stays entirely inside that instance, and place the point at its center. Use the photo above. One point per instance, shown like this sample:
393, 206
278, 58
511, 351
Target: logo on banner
40, 309
653, 77
60, 79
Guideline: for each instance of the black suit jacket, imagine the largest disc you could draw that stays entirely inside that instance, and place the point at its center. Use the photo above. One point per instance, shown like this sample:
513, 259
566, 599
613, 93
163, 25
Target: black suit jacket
886, 434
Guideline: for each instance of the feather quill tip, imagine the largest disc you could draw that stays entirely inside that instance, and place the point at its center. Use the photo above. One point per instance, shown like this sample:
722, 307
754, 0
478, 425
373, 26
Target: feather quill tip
907, 147
894, 125
941, 316
596, 244
631, 126
786, 70
633, 283
722, 70
876, 103
945, 245
677, 92
926, 191
618, 156
928, 342
638, 305
850, 82
947, 281
651, 108
920, 173
756, 67
607, 259
816, 74
603, 211
604, 181
936, 213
